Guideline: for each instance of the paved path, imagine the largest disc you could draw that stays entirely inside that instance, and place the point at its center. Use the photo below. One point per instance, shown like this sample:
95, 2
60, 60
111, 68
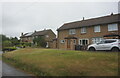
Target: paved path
0, 64
8, 70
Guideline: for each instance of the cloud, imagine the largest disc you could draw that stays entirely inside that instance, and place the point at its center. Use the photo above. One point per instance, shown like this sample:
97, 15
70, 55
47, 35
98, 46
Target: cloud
26, 17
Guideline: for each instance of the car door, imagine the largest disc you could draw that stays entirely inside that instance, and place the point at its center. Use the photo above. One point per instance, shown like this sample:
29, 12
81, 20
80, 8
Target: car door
99, 46
107, 45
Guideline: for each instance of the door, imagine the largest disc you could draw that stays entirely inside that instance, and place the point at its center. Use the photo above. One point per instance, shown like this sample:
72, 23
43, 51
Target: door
99, 46
68, 43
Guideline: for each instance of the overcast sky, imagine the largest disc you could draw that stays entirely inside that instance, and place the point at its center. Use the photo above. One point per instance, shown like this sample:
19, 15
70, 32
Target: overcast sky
24, 17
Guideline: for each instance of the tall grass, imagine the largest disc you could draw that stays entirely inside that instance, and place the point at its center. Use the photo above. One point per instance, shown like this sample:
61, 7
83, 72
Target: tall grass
50, 62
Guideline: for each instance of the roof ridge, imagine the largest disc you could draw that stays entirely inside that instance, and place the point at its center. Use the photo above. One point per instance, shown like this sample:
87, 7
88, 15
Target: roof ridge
92, 18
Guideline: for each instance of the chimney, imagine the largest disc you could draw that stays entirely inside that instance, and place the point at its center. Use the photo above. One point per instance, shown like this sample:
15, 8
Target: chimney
21, 34
83, 18
112, 13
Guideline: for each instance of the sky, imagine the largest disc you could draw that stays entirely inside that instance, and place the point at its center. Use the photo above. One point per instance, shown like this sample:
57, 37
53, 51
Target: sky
28, 16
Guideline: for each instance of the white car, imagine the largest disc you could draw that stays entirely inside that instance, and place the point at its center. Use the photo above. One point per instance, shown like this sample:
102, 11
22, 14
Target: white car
106, 44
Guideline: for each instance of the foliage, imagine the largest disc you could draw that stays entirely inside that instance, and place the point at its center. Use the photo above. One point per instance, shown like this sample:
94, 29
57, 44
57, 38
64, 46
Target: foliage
9, 42
39, 41
9, 48
6, 43
24, 44
14, 41
51, 62
4, 38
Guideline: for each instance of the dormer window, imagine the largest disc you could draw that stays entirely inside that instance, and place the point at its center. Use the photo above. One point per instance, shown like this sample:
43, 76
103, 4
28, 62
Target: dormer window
72, 31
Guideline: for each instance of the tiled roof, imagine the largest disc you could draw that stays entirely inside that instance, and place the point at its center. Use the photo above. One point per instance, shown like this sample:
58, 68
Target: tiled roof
91, 22
44, 32
27, 34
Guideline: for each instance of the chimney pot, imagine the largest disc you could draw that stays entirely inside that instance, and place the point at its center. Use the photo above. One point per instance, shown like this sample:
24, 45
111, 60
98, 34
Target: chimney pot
112, 13
22, 34
83, 18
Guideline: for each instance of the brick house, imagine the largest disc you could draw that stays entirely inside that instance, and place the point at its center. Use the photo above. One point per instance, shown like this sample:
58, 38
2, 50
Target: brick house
88, 31
48, 35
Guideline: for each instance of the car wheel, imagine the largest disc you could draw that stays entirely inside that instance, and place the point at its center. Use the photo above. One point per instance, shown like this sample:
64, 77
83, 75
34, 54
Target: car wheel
91, 49
115, 49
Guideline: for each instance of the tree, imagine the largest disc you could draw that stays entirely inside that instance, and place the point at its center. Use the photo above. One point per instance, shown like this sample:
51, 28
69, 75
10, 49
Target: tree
4, 38
14, 41
39, 41
6, 43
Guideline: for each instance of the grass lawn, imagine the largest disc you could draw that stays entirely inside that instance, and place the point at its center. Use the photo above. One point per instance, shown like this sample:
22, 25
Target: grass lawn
51, 62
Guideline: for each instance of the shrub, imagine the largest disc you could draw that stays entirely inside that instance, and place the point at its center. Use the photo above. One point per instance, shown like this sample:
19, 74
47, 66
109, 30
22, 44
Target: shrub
9, 48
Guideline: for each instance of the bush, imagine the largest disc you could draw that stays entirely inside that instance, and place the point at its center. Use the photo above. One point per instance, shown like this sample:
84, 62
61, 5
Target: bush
40, 41
24, 44
9, 48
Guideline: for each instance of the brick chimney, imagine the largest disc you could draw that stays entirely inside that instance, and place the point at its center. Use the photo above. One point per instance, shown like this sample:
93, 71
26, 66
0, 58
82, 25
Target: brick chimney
35, 31
112, 13
21, 34
83, 18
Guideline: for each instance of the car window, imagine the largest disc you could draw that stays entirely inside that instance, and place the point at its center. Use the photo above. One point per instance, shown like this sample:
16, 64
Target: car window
110, 41
101, 42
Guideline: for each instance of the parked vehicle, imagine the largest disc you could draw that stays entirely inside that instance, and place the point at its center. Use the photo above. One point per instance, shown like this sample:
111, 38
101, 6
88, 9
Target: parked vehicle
106, 44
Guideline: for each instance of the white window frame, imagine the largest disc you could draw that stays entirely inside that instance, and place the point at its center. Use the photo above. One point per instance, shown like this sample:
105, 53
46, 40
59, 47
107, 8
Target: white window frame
72, 31
80, 41
97, 28
83, 30
113, 27
62, 41
96, 39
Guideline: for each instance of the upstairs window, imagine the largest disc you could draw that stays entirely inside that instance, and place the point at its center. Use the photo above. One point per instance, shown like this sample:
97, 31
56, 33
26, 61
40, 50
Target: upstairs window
112, 27
47, 36
96, 28
83, 30
72, 31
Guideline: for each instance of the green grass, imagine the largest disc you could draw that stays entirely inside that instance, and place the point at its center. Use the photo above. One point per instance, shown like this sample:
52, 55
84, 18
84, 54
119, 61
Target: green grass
50, 62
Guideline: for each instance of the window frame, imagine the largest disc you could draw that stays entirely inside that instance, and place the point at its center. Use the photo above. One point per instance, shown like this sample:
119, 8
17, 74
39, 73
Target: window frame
112, 27
81, 41
96, 40
83, 30
97, 28
72, 31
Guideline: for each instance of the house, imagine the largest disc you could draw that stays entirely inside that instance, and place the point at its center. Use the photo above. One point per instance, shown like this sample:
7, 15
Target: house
88, 31
48, 35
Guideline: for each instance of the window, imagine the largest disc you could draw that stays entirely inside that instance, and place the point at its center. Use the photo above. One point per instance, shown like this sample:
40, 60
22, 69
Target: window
110, 41
47, 36
62, 41
112, 27
96, 28
96, 40
74, 41
72, 31
83, 30
36, 36
84, 41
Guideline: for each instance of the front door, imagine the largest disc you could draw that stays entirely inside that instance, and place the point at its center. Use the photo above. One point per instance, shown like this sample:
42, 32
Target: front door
68, 43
